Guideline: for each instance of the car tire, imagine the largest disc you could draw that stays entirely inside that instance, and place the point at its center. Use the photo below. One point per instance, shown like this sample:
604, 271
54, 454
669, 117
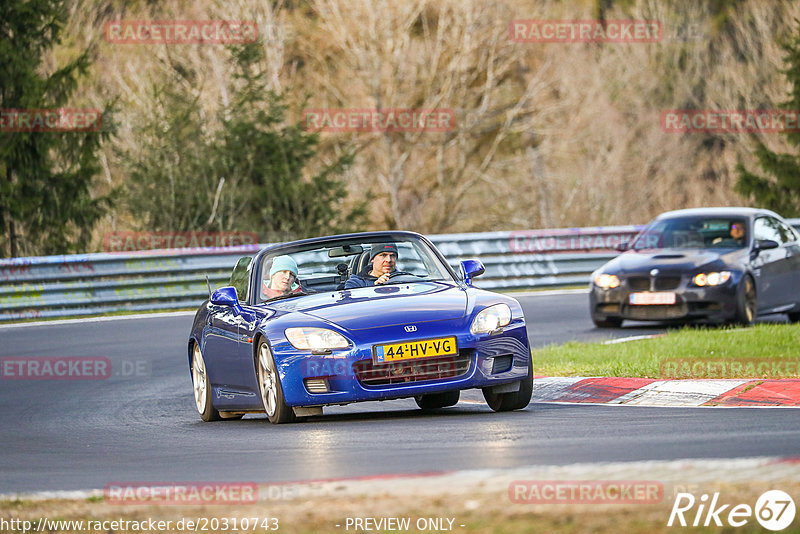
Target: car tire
517, 400
794, 317
269, 387
746, 302
434, 401
608, 322
202, 387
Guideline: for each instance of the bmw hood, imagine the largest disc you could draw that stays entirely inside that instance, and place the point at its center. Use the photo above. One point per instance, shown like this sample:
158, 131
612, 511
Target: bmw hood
672, 259
378, 306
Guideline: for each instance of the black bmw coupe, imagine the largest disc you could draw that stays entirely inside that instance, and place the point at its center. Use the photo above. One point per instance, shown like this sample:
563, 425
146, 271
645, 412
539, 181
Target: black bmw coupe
716, 264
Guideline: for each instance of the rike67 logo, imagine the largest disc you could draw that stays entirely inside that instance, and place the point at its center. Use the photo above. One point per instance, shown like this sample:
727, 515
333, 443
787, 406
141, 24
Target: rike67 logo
774, 510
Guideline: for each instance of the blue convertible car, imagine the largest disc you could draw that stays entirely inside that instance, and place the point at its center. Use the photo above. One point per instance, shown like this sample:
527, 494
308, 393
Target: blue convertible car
358, 317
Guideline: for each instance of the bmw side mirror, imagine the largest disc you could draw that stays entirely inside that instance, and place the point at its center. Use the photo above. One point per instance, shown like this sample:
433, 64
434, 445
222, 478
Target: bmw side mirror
471, 269
226, 296
766, 244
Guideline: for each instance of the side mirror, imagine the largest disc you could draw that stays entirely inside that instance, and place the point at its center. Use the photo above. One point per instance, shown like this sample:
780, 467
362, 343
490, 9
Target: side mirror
226, 296
766, 244
471, 269
622, 247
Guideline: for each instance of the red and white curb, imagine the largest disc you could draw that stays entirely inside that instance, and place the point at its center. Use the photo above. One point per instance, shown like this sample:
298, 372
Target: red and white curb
651, 392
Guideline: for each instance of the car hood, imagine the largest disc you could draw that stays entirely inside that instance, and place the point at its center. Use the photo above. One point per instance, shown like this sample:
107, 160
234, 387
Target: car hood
378, 306
672, 259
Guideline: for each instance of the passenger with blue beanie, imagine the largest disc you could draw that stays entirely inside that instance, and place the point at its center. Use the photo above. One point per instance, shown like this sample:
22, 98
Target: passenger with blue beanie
282, 278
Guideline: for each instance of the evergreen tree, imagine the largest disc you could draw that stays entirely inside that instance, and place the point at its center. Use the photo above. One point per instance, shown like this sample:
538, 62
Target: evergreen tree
780, 190
249, 173
172, 183
46, 206
269, 159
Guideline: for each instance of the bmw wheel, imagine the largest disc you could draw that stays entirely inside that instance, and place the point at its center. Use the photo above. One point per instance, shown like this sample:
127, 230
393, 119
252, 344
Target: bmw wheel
746, 301
269, 385
433, 401
202, 387
517, 400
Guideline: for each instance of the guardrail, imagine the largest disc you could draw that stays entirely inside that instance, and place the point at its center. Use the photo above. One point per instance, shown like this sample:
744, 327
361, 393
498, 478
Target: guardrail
85, 284
81, 284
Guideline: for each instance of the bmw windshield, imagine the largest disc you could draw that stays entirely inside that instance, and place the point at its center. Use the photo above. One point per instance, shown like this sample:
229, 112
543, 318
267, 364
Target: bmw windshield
694, 233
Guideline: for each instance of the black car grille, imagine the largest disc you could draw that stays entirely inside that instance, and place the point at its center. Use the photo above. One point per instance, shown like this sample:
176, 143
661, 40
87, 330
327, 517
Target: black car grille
403, 372
639, 283
661, 283
502, 363
657, 312
664, 283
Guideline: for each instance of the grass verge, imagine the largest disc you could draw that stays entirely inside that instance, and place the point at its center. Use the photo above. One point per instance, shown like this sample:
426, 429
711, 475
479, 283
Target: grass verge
484, 512
761, 351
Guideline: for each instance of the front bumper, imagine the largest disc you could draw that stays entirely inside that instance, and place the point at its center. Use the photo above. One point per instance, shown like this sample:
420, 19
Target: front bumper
351, 376
716, 303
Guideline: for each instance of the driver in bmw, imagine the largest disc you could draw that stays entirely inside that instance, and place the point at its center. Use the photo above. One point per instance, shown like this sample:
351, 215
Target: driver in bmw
383, 262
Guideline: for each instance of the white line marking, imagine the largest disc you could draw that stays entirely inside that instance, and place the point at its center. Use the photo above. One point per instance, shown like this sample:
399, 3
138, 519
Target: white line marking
631, 338
100, 319
547, 293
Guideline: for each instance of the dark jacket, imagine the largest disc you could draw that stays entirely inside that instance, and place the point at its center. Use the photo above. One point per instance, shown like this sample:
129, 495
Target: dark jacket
362, 279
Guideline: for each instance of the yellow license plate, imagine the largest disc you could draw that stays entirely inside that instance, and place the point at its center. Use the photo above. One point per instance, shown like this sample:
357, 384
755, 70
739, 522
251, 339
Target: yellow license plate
409, 350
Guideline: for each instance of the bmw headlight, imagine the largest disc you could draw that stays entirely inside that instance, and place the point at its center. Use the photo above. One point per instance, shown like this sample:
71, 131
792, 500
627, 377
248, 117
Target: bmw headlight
711, 279
606, 281
308, 338
490, 319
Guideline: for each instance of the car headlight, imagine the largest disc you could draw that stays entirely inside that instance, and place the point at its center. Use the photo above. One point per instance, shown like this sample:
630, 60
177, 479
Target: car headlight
307, 338
490, 319
711, 279
606, 281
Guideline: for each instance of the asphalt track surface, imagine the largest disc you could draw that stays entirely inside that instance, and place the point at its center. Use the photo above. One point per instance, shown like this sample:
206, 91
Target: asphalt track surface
140, 425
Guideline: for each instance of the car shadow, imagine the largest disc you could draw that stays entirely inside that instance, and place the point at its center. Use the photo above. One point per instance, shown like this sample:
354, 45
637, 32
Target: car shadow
363, 414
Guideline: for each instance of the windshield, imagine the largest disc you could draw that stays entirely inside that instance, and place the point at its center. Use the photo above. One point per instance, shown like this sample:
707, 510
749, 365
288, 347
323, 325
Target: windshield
694, 232
327, 266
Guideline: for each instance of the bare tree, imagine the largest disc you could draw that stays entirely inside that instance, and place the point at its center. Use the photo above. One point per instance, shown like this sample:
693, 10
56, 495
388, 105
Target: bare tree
432, 55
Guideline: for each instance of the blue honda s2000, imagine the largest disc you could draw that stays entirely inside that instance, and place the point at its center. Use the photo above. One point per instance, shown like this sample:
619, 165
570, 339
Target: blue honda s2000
359, 317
